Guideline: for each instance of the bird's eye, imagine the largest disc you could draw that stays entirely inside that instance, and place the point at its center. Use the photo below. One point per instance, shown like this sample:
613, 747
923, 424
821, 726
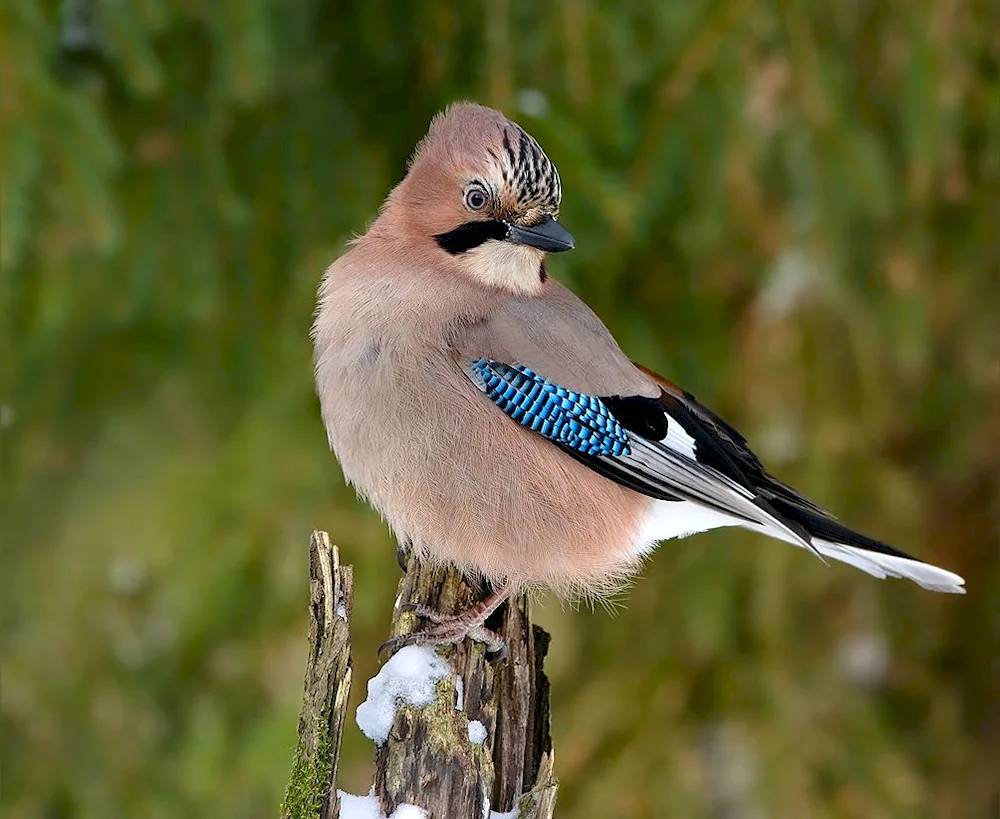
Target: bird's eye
475, 198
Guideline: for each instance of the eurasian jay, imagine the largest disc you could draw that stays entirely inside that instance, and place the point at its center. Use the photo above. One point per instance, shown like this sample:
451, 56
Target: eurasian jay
491, 418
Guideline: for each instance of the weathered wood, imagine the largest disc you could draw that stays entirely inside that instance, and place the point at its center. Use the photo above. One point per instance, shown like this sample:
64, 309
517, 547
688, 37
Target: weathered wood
311, 793
428, 759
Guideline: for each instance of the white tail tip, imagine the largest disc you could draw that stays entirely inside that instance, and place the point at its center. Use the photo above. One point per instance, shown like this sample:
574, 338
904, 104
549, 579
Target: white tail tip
882, 566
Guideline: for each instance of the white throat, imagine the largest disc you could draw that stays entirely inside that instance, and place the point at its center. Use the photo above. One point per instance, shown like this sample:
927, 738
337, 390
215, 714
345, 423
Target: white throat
507, 266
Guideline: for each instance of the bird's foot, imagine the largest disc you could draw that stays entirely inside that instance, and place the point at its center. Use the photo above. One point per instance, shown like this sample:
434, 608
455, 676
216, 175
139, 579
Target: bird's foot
447, 633
448, 629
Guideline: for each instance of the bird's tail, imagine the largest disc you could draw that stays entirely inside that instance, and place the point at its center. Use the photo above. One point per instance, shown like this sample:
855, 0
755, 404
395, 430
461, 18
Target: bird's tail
834, 540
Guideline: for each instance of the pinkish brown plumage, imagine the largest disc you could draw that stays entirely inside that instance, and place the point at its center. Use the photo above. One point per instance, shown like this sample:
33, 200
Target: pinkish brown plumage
411, 433
444, 354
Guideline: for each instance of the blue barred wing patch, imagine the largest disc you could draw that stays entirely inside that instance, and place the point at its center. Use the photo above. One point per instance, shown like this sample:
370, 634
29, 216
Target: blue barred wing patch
579, 421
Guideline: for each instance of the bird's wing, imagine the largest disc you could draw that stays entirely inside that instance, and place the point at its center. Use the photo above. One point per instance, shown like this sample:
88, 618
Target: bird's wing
550, 363
723, 446
634, 440
551, 366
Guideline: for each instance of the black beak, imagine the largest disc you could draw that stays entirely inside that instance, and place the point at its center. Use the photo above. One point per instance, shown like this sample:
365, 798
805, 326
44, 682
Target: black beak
547, 235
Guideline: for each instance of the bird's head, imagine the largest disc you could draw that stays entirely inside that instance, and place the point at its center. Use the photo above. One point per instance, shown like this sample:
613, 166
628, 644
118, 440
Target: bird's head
483, 192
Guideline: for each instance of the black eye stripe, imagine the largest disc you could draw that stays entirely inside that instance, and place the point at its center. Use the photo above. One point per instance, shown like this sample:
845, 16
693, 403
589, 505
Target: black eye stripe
471, 235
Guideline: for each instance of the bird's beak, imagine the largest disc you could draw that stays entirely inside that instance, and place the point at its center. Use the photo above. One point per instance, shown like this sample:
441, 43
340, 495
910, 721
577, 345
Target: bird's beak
547, 235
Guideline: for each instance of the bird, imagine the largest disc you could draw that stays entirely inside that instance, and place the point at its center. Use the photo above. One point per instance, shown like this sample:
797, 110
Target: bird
491, 418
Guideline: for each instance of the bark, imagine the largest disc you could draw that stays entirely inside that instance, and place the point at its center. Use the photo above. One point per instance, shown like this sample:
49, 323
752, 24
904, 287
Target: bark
311, 792
429, 760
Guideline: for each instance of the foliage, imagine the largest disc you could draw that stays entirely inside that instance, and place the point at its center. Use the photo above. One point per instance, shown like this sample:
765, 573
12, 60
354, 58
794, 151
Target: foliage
790, 207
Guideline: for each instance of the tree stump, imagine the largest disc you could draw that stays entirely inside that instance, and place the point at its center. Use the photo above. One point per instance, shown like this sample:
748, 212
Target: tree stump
428, 759
431, 758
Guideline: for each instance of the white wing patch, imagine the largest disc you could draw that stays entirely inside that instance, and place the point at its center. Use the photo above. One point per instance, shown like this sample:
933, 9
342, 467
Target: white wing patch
678, 439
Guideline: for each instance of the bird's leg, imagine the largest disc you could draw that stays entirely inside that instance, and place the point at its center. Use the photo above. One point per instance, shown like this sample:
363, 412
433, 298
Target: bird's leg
448, 629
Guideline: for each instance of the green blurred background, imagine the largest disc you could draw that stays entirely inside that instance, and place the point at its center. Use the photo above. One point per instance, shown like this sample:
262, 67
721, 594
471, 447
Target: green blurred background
792, 208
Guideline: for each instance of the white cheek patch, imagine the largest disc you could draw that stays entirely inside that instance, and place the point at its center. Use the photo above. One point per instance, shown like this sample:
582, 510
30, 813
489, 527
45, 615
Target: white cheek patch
505, 265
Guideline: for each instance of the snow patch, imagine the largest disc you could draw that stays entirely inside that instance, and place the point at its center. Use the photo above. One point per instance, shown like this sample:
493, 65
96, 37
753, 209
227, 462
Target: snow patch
367, 807
477, 732
407, 678
459, 693
407, 812
359, 807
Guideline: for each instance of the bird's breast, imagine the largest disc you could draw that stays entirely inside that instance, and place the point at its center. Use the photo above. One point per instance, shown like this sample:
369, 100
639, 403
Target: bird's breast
466, 484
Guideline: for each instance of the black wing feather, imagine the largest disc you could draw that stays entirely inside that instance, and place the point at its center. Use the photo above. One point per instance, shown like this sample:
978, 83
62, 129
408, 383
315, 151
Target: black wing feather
724, 446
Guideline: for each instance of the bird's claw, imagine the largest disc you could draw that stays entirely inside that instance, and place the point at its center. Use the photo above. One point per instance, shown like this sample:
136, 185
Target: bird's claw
390, 647
444, 632
449, 629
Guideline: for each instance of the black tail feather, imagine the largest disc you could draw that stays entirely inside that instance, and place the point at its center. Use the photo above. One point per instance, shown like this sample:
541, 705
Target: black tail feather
826, 528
